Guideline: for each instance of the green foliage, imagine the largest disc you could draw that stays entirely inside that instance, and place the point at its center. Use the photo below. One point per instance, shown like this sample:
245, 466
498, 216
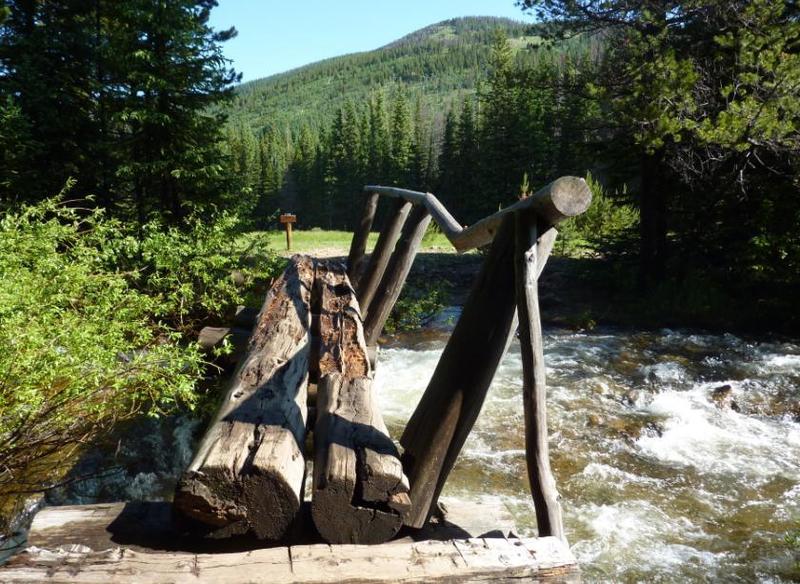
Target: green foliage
607, 223
417, 306
197, 273
84, 348
134, 82
95, 319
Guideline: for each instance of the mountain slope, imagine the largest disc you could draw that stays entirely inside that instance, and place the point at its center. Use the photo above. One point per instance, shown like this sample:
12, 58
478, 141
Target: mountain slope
436, 63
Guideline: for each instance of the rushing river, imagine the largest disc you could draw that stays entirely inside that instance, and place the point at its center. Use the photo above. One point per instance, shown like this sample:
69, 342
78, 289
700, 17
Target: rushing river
659, 482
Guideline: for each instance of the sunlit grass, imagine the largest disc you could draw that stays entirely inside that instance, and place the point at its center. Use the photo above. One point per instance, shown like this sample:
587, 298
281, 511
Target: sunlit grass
333, 242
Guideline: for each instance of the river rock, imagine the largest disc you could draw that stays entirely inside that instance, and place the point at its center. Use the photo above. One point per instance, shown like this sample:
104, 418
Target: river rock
722, 397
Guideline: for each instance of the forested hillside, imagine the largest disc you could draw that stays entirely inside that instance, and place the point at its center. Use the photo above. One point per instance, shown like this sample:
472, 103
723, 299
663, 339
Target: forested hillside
438, 63
413, 114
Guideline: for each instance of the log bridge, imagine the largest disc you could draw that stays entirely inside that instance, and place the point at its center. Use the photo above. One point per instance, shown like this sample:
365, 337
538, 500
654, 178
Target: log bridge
301, 404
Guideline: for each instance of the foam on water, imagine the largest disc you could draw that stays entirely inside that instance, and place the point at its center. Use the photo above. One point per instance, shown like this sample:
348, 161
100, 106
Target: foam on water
661, 484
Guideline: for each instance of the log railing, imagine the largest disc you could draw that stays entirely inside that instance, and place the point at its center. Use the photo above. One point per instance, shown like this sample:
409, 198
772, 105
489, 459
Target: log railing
319, 327
503, 298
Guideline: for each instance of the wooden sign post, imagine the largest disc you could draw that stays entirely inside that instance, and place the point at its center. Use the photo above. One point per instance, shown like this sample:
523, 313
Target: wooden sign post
287, 219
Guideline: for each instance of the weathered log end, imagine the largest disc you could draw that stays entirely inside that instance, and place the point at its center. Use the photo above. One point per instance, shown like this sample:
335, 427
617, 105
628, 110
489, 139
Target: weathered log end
360, 493
247, 475
565, 197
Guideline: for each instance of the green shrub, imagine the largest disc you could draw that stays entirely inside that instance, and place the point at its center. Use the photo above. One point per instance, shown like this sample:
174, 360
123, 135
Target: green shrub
607, 224
94, 328
417, 306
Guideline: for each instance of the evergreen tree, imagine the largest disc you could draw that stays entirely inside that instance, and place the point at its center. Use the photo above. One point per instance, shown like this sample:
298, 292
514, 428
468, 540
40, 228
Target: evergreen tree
401, 141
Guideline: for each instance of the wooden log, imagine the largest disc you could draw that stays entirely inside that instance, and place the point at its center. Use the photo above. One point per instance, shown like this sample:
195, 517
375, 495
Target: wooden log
379, 258
534, 389
360, 492
358, 245
446, 413
448, 408
136, 543
247, 475
396, 273
563, 198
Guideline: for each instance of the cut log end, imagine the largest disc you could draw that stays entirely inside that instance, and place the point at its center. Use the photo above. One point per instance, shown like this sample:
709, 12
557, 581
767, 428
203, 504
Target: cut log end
569, 196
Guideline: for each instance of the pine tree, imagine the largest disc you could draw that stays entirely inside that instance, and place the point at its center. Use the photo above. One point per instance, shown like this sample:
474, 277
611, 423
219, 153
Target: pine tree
401, 141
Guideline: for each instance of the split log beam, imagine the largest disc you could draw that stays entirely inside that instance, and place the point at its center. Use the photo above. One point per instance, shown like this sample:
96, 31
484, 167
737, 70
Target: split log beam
446, 413
534, 390
396, 273
381, 254
360, 492
358, 246
248, 473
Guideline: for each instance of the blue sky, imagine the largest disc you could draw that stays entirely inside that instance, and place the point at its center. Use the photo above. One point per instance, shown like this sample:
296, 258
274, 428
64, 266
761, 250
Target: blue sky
278, 35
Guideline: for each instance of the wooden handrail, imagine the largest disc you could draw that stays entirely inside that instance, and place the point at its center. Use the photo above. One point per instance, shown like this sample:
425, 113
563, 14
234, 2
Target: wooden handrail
563, 198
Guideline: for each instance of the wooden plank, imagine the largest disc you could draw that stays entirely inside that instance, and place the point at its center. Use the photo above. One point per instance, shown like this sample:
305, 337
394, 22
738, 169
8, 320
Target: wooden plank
358, 245
360, 492
472, 560
565, 197
396, 273
379, 258
151, 526
534, 389
247, 475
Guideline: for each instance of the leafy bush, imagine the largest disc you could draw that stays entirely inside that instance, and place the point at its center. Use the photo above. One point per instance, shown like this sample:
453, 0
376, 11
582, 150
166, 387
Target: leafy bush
417, 306
93, 322
606, 225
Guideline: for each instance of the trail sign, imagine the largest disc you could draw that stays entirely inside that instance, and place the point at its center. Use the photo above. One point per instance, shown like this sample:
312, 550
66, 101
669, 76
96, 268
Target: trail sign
287, 219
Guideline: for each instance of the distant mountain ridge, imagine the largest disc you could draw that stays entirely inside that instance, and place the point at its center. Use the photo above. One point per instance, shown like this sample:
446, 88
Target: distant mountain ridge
436, 64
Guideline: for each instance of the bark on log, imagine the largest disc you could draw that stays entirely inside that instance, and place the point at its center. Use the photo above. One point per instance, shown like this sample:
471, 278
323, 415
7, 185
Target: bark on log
447, 411
247, 475
534, 389
358, 246
396, 273
380, 255
360, 492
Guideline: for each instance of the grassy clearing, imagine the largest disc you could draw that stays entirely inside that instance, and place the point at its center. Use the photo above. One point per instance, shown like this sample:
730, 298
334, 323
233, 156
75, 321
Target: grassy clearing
332, 243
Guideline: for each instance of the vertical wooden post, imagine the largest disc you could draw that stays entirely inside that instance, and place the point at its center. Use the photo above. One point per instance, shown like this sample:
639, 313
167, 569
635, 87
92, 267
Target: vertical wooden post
534, 390
287, 219
396, 273
358, 246
380, 255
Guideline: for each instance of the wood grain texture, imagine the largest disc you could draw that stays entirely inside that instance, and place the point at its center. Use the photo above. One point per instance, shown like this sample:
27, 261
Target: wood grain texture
534, 388
379, 258
455, 394
447, 411
137, 542
247, 474
360, 491
468, 560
